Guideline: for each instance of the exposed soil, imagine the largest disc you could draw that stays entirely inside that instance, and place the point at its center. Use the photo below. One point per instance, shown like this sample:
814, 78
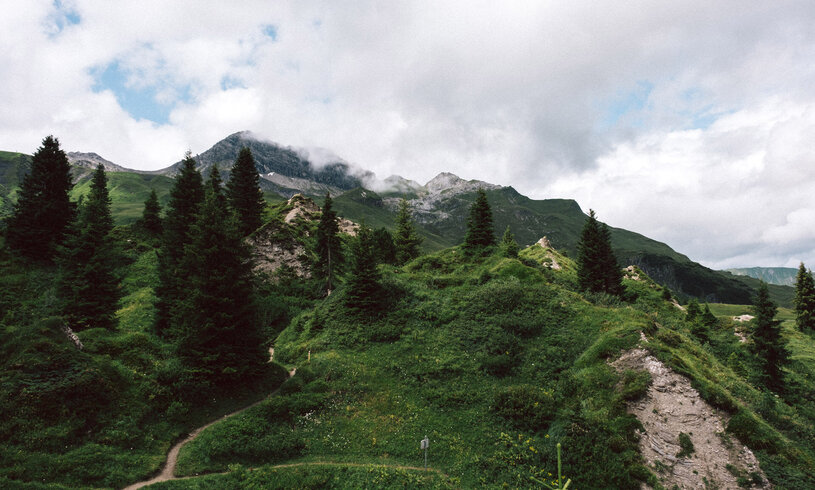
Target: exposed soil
670, 407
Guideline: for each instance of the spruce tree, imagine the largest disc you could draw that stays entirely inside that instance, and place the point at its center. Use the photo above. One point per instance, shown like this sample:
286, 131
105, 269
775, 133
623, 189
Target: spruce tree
480, 234
87, 286
186, 197
362, 285
767, 342
597, 268
218, 337
405, 239
244, 194
43, 210
509, 247
150, 221
327, 245
804, 300
693, 310
384, 246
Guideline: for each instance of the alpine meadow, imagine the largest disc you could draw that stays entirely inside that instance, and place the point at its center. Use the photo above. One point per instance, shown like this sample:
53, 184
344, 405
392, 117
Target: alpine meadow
422, 244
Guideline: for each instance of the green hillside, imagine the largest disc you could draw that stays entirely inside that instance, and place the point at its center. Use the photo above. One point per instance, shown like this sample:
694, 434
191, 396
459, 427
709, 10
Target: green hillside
495, 360
13, 166
128, 191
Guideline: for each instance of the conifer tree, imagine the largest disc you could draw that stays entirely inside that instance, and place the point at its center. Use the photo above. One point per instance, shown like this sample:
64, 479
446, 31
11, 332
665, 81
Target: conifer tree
186, 197
405, 239
597, 268
509, 246
151, 216
244, 194
87, 286
384, 246
480, 232
363, 280
43, 210
218, 337
327, 245
693, 310
805, 300
708, 318
767, 342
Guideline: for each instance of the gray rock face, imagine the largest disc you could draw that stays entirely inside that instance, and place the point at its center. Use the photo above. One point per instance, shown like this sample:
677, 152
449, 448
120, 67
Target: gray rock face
92, 160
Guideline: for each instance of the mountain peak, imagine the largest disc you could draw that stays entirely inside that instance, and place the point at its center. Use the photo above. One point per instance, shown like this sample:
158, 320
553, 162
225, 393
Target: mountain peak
446, 181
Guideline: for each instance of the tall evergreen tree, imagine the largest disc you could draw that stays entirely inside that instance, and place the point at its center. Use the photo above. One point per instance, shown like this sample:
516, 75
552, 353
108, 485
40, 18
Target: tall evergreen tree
693, 311
363, 281
767, 342
405, 239
87, 286
384, 246
805, 300
150, 221
597, 268
244, 194
218, 337
480, 232
327, 245
186, 197
43, 210
509, 246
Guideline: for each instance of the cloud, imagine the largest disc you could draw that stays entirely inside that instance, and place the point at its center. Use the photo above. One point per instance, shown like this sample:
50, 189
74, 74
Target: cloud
684, 121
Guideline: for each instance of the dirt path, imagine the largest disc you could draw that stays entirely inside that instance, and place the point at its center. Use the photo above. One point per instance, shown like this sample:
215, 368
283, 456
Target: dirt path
671, 407
168, 471
357, 465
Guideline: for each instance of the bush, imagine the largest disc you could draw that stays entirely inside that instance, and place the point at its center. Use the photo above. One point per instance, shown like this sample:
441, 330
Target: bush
525, 407
635, 384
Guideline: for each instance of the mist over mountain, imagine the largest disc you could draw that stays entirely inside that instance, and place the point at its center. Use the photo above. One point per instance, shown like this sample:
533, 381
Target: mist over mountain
782, 276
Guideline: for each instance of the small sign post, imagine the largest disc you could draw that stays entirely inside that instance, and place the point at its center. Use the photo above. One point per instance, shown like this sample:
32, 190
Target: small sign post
425, 445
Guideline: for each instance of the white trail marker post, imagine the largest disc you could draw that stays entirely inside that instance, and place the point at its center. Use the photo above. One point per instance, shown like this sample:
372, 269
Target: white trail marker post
425, 445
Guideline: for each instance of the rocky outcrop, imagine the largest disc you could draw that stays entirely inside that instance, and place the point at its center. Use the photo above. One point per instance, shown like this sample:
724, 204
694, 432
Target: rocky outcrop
672, 407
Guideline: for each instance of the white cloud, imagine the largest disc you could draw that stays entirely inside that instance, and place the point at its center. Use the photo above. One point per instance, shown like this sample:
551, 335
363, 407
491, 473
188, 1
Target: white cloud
690, 122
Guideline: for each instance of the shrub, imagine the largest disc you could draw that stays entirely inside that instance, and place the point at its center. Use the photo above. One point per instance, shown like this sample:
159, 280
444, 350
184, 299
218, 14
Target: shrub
525, 407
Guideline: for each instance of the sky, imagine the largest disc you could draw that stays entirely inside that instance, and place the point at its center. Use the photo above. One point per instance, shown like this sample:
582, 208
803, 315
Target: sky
690, 122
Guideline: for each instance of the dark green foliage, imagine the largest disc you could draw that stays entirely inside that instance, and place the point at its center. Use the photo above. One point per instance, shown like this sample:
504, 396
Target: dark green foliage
406, 239
219, 340
597, 268
362, 285
525, 407
708, 318
635, 384
685, 446
693, 310
509, 247
666, 294
88, 288
244, 194
804, 300
480, 232
327, 245
150, 221
186, 197
384, 247
768, 345
43, 210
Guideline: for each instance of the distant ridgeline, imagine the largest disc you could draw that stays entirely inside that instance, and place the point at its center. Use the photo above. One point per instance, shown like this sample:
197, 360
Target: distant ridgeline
782, 276
440, 208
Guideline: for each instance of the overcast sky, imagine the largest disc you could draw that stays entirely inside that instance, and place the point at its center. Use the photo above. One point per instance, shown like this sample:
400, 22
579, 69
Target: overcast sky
691, 122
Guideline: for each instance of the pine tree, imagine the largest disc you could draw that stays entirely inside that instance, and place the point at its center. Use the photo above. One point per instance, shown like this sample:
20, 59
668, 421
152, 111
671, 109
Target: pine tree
805, 300
693, 310
480, 232
767, 342
363, 281
43, 210
182, 210
597, 268
218, 337
384, 246
87, 287
708, 318
244, 194
327, 245
150, 221
405, 239
509, 247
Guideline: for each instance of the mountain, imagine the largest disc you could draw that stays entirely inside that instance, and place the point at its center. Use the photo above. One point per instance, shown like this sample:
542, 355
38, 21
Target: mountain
286, 171
782, 276
92, 160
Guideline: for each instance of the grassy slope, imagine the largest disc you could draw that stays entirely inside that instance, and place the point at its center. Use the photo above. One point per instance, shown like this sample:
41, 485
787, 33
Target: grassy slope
104, 416
495, 391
